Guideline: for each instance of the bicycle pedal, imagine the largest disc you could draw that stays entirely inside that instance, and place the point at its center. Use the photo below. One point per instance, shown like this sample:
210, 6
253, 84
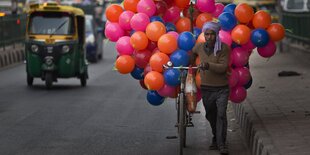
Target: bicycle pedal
190, 124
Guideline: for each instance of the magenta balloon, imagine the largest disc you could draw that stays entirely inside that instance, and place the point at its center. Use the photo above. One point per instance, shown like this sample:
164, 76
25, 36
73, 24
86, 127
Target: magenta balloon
244, 75
175, 34
161, 7
239, 57
139, 21
172, 14
123, 46
219, 7
237, 94
142, 58
146, 6
113, 32
225, 37
206, 5
198, 95
233, 78
249, 46
166, 91
268, 50
124, 20
151, 46
147, 69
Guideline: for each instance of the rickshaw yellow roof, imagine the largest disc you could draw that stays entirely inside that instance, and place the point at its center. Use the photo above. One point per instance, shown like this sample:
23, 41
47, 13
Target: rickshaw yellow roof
48, 7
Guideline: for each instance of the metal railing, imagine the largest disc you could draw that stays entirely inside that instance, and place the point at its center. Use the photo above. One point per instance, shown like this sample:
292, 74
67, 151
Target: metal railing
12, 29
298, 26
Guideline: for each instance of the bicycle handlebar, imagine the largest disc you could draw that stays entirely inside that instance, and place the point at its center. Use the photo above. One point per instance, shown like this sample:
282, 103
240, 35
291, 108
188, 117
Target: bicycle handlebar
180, 67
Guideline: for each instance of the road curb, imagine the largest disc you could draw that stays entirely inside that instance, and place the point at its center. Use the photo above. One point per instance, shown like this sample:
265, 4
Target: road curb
255, 134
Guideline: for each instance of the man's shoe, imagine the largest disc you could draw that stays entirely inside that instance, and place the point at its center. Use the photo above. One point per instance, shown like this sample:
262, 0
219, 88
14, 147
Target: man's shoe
223, 151
213, 146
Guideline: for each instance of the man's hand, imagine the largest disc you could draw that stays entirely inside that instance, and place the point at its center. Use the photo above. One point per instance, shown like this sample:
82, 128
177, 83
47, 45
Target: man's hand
204, 66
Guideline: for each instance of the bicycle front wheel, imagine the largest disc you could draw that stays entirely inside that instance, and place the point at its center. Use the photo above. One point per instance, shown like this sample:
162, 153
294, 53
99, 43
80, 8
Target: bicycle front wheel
182, 123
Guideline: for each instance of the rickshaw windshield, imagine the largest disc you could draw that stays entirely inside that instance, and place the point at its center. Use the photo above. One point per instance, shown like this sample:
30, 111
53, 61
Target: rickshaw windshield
51, 23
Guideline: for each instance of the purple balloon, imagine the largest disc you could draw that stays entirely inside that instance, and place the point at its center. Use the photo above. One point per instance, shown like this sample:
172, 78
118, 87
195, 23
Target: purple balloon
268, 50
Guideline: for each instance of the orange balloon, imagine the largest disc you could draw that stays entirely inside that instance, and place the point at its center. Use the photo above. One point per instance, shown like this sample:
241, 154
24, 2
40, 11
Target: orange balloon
157, 61
198, 79
201, 38
131, 5
139, 40
183, 24
125, 64
167, 43
241, 34
244, 13
197, 61
155, 30
202, 18
113, 12
181, 3
261, 19
276, 31
154, 80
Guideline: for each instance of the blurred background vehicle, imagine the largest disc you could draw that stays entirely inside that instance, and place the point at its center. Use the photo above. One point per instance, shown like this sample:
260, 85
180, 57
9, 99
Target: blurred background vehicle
94, 40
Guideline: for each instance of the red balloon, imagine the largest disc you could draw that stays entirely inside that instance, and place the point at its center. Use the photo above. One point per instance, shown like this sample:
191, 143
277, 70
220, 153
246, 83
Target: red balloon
268, 50
240, 57
233, 78
147, 69
161, 7
142, 58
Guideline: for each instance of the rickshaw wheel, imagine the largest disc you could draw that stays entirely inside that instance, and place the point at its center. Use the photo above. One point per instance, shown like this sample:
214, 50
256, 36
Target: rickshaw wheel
83, 79
48, 80
29, 80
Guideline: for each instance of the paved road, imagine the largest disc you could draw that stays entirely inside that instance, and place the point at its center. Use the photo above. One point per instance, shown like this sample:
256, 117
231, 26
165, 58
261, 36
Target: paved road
109, 117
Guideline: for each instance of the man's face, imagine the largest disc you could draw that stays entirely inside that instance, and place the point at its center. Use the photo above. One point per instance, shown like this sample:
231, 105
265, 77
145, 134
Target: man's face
210, 37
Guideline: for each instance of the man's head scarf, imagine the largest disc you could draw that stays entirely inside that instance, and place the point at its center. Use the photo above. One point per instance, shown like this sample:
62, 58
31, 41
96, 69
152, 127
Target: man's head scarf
216, 28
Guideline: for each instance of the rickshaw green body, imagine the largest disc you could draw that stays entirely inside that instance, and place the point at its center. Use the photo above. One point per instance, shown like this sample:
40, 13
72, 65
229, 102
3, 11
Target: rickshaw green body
49, 55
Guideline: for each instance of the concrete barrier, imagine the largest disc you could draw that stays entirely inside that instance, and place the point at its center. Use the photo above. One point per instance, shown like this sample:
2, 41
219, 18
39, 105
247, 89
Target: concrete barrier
12, 54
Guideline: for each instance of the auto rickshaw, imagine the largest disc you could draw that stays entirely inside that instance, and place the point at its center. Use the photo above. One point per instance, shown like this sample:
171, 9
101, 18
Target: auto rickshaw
55, 43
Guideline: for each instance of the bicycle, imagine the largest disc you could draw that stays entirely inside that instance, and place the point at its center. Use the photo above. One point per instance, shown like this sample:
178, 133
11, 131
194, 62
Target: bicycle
183, 116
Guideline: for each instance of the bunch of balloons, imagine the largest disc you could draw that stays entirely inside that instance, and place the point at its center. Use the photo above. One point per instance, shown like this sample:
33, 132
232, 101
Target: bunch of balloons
149, 33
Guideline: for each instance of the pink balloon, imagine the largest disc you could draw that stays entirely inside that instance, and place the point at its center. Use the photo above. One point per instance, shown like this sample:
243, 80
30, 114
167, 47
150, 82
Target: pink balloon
198, 95
249, 46
238, 94
233, 78
175, 34
268, 50
124, 20
244, 75
225, 37
172, 14
123, 46
139, 21
166, 91
113, 32
142, 58
206, 5
239, 57
146, 6
219, 7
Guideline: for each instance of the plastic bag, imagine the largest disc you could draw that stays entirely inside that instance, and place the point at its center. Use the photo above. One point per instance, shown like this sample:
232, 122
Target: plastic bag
190, 91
